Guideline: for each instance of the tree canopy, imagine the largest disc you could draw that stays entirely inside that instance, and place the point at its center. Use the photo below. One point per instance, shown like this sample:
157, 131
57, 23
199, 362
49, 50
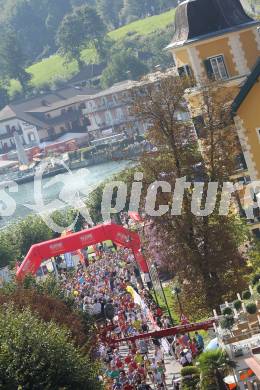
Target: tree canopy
12, 58
78, 30
195, 246
39, 355
122, 66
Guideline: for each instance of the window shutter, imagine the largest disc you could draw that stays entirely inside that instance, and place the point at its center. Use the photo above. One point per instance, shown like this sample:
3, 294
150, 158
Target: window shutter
181, 71
199, 124
209, 69
188, 70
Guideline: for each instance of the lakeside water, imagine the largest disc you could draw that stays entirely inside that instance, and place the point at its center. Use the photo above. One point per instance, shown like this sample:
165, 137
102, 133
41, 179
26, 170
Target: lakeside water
51, 187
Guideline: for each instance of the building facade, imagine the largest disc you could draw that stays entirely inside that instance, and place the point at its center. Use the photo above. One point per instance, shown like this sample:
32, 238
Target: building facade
214, 38
247, 119
44, 118
217, 40
109, 112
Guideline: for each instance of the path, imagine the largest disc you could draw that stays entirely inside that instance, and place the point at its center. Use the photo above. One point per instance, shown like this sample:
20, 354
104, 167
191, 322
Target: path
172, 366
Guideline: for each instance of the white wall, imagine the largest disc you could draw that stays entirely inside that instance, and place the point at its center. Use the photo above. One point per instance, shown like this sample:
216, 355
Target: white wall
28, 130
17, 123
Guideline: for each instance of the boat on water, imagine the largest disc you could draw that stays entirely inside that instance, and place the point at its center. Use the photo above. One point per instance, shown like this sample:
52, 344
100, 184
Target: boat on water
28, 176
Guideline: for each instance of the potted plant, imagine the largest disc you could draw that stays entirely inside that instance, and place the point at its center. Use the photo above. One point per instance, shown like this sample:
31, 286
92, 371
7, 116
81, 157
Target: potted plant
251, 308
190, 377
227, 322
246, 295
237, 304
256, 279
227, 311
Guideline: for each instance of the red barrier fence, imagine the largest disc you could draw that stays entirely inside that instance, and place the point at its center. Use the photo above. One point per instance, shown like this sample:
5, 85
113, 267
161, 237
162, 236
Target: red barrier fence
48, 249
180, 329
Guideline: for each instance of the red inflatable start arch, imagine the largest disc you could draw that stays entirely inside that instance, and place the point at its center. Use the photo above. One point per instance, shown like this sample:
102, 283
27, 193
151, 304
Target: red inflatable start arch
45, 250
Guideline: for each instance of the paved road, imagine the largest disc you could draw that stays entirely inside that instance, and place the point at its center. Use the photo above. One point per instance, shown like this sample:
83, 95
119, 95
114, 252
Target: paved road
172, 367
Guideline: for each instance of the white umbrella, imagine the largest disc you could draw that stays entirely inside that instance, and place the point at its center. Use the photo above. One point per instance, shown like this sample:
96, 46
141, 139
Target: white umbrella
230, 380
213, 344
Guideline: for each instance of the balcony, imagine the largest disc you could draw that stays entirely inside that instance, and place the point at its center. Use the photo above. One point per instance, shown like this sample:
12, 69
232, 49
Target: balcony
105, 107
67, 116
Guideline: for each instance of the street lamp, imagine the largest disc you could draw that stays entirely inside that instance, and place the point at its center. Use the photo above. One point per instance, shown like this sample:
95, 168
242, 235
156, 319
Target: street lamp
176, 291
136, 262
163, 293
150, 277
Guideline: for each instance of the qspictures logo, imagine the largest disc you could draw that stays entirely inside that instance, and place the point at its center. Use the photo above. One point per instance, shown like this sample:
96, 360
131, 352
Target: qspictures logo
67, 197
112, 204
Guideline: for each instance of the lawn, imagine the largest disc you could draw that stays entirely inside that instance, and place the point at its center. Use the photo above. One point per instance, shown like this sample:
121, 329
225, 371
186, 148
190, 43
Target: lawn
170, 300
54, 67
144, 26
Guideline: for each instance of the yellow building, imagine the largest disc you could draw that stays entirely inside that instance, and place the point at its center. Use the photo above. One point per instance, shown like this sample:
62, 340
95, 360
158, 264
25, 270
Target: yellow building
216, 39
246, 111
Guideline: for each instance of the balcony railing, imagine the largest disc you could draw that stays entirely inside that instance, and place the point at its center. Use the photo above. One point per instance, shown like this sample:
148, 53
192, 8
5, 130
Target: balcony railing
103, 107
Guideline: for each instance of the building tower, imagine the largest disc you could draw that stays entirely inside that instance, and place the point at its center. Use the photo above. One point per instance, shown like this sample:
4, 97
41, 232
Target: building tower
22, 157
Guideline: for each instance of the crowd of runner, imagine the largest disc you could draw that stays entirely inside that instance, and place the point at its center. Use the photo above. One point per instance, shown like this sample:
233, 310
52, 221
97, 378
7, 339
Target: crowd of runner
111, 289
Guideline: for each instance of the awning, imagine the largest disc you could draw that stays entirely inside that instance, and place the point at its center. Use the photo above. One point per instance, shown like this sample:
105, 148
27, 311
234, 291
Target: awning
135, 216
254, 365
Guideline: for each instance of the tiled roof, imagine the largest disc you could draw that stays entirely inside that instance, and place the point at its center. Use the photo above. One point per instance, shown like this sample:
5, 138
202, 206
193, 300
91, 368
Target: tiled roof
202, 19
25, 109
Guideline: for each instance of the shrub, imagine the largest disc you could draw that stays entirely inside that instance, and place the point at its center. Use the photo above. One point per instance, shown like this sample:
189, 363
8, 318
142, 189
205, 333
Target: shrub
227, 322
190, 377
246, 295
256, 279
227, 311
51, 309
210, 362
237, 304
258, 288
251, 308
39, 355
191, 370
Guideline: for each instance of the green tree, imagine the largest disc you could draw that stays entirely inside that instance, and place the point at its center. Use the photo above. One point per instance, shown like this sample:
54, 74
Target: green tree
190, 377
132, 10
254, 256
123, 66
56, 11
12, 59
8, 251
80, 29
153, 43
94, 200
27, 18
32, 230
35, 22
109, 11
213, 366
39, 355
4, 98
51, 303
187, 240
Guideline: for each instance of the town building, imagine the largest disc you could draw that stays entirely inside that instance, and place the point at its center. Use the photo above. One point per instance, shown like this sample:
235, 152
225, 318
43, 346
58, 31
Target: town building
53, 120
44, 119
218, 40
245, 110
214, 38
246, 113
110, 115
89, 75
